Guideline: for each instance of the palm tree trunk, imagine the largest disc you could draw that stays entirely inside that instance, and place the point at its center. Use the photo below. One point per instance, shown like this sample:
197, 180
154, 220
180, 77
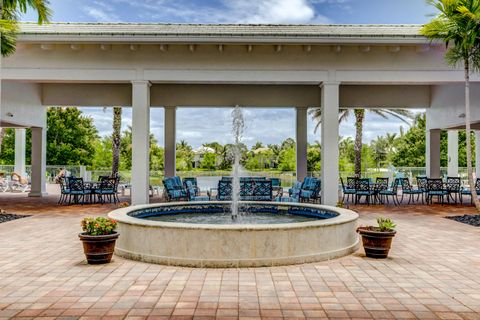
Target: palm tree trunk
471, 182
117, 127
2, 133
359, 117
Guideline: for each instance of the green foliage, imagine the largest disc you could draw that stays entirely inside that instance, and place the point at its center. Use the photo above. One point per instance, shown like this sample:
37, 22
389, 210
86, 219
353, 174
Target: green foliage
7, 154
314, 156
98, 226
209, 161
411, 146
385, 224
69, 137
10, 10
103, 153
287, 159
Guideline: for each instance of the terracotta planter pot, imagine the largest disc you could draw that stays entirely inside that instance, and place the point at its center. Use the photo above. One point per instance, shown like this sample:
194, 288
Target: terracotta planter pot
375, 242
98, 249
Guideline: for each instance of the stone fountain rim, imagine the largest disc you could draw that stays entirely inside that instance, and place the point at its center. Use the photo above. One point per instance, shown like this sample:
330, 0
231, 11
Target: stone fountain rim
344, 216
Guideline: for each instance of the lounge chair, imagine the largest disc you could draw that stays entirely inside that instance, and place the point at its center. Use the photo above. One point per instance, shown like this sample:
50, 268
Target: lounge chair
294, 194
311, 188
174, 189
192, 192
194, 184
19, 183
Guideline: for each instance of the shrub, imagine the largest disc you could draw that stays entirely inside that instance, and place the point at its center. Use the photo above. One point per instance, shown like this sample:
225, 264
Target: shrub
98, 226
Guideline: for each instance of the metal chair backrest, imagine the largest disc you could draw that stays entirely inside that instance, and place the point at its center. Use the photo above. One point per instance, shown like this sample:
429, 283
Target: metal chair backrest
381, 184
422, 183
453, 184
406, 184
477, 184
351, 182
435, 184
362, 184
63, 184
108, 184
76, 184
395, 184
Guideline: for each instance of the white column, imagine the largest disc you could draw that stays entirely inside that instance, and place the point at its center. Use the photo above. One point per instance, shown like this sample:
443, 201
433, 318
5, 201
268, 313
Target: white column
20, 146
170, 141
140, 142
330, 171
433, 150
452, 153
301, 142
477, 153
39, 163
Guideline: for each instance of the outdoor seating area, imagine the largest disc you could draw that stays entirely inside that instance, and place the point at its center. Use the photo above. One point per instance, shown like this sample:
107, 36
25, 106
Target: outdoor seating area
75, 190
427, 190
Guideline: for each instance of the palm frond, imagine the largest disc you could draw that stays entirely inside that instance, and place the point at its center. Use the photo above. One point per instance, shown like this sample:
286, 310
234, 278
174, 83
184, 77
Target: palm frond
401, 114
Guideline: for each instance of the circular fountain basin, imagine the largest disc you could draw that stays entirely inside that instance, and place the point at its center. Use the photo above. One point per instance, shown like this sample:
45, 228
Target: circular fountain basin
202, 234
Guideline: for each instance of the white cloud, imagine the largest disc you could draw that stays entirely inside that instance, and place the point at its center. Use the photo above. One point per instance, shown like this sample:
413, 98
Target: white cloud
101, 14
229, 11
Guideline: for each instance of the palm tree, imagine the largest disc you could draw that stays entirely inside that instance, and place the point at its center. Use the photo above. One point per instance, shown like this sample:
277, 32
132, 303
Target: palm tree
457, 23
9, 12
359, 113
116, 135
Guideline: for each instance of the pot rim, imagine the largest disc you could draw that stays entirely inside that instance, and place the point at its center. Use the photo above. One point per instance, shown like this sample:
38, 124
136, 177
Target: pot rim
366, 230
85, 236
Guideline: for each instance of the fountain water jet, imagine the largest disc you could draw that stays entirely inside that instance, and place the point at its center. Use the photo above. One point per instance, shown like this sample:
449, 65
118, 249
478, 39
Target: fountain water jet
238, 125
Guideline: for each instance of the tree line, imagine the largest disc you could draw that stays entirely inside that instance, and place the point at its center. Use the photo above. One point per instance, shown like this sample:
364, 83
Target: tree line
72, 139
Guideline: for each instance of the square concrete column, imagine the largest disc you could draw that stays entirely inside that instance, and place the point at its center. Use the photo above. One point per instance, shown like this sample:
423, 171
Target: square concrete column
301, 142
452, 153
433, 153
39, 163
140, 142
20, 148
170, 141
330, 170
477, 153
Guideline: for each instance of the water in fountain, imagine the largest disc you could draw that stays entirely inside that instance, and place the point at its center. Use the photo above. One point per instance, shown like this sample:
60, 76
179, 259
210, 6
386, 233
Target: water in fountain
238, 125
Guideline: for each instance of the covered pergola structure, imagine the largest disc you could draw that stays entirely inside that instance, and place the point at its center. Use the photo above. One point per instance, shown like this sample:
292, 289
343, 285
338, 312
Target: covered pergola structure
147, 66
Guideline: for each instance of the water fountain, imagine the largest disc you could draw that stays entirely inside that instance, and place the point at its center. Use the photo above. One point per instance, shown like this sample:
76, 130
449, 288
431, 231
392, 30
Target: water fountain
238, 125
209, 234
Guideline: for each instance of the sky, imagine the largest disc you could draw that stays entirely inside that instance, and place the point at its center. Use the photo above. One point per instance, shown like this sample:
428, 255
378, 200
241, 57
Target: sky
200, 125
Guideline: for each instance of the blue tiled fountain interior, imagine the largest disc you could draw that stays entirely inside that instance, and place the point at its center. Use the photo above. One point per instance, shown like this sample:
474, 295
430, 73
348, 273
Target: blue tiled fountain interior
210, 208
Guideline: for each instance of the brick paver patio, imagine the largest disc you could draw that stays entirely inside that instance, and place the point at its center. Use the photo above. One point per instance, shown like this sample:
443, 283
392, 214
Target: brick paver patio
433, 273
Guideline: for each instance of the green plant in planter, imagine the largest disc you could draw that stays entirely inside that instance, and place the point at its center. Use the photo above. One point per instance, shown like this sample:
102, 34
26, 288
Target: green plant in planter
386, 224
98, 226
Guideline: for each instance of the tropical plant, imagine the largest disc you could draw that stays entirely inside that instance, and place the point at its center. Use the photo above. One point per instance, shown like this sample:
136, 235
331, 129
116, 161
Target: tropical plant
9, 14
359, 113
458, 25
385, 224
